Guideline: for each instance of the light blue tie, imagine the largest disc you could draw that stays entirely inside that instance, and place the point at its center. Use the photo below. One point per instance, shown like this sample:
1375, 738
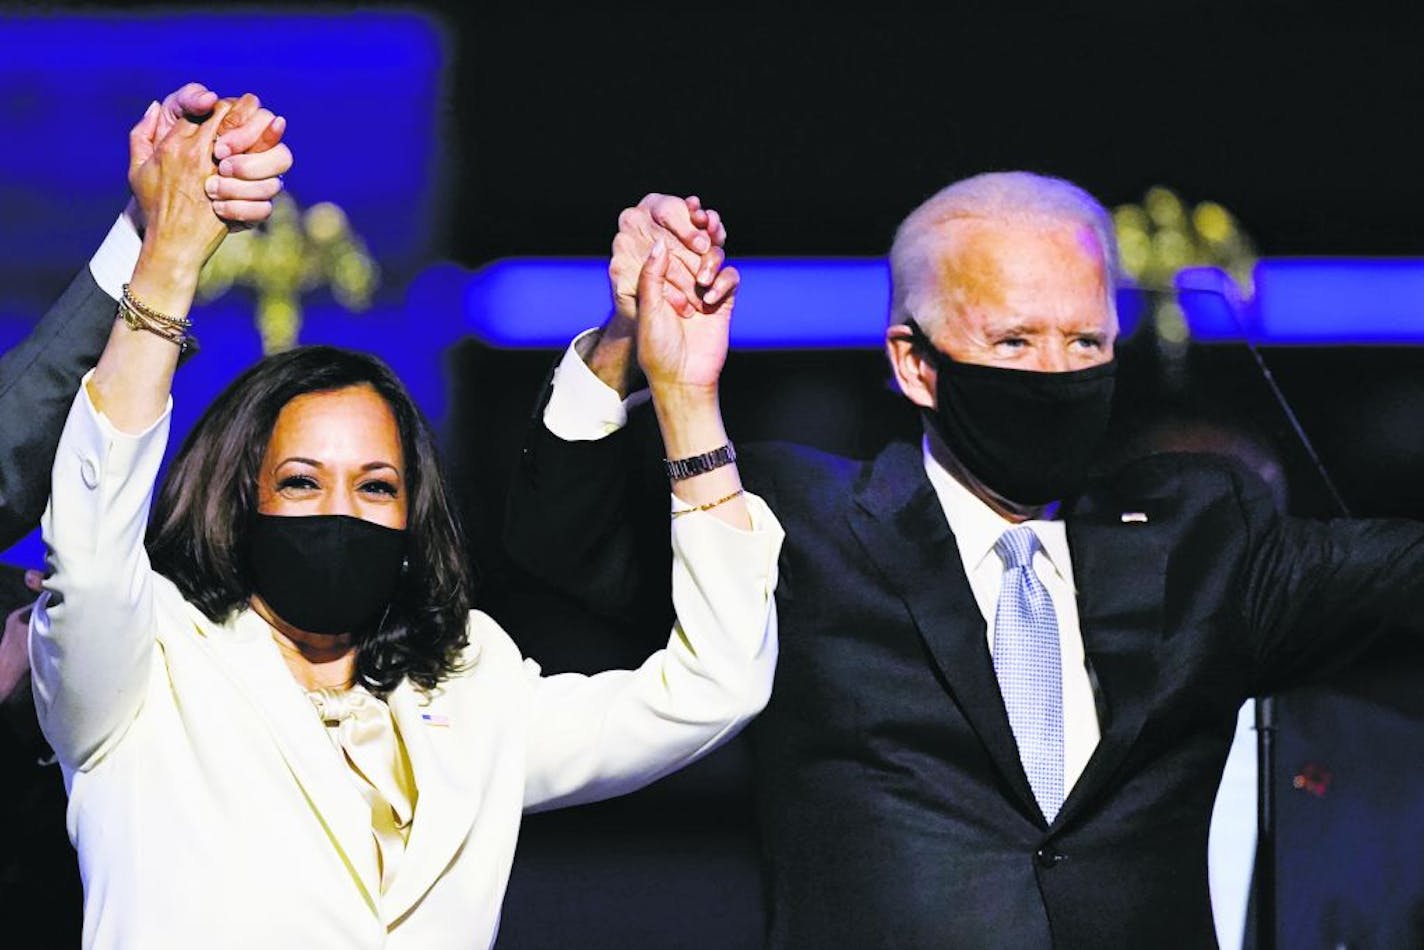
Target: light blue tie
1029, 668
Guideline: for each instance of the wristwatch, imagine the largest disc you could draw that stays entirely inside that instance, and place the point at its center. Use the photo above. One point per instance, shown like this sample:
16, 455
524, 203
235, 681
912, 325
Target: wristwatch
678, 469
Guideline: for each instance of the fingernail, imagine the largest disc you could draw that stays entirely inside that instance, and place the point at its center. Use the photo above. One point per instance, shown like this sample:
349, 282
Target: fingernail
152, 108
700, 244
711, 297
658, 248
221, 150
210, 185
225, 167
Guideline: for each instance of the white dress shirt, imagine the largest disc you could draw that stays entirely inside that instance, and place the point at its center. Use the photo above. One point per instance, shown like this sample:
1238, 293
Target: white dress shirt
976, 528
583, 408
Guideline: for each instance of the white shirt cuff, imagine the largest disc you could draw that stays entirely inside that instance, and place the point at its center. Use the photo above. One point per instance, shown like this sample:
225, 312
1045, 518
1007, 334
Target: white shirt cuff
113, 264
582, 408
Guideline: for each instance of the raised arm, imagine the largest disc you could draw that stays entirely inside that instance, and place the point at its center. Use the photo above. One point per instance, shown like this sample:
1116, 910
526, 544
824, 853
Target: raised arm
38, 378
586, 505
91, 635
593, 737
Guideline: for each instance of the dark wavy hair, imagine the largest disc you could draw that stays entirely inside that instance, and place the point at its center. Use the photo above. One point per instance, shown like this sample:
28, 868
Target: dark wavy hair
197, 536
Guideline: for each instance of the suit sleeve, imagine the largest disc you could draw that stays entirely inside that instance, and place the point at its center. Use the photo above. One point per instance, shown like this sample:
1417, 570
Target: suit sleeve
38, 379
581, 518
1316, 593
91, 633
594, 737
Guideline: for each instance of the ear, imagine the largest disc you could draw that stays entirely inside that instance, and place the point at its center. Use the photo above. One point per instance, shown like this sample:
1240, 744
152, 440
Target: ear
914, 374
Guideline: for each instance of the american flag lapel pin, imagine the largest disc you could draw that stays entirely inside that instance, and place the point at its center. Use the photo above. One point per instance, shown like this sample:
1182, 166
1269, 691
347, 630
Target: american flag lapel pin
434, 719
1134, 517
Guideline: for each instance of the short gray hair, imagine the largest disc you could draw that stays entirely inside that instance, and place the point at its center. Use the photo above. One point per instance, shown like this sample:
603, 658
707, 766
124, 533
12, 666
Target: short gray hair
997, 196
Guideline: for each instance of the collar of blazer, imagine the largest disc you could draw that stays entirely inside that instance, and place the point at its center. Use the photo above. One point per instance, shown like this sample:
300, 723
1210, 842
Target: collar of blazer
1118, 567
446, 762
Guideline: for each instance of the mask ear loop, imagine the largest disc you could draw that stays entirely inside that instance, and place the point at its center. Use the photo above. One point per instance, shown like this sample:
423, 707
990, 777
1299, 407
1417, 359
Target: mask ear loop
919, 339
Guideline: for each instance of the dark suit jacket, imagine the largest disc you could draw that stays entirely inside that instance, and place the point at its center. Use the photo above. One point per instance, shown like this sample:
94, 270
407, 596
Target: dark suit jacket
894, 809
39, 876
38, 380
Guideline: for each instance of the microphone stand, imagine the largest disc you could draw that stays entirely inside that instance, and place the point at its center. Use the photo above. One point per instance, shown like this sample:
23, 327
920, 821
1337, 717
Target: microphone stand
1263, 878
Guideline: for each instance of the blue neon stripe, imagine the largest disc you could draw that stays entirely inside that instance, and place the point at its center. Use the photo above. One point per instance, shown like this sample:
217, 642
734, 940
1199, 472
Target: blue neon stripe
842, 302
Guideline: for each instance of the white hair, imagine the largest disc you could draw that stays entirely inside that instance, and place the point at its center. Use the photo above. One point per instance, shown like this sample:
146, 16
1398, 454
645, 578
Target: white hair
996, 196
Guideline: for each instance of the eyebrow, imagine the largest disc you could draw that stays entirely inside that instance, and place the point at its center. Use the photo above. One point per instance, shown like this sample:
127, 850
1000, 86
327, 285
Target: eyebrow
368, 467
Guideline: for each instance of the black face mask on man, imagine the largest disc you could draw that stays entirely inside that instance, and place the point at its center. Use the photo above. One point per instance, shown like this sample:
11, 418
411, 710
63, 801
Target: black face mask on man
1028, 436
328, 574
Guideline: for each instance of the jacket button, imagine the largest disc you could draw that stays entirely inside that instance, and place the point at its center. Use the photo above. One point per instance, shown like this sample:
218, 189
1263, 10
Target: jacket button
1048, 857
89, 472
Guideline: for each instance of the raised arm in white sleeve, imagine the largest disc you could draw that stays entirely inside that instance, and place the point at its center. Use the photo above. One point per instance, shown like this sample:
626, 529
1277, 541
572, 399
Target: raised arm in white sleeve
594, 737
91, 634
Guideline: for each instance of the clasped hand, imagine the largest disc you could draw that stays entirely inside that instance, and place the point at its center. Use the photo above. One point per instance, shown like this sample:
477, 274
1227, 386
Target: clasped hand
670, 278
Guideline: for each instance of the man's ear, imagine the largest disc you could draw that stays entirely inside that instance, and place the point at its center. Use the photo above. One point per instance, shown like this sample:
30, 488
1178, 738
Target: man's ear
914, 374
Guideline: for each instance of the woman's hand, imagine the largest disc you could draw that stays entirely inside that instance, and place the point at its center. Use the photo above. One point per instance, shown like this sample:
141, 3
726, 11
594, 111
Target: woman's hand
130, 385
682, 342
682, 348
168, 174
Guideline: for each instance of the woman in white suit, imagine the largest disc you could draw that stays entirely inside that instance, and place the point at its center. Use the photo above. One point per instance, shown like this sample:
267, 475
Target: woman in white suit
280, 723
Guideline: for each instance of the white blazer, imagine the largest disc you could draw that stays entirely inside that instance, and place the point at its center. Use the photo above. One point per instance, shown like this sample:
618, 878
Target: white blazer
210, 809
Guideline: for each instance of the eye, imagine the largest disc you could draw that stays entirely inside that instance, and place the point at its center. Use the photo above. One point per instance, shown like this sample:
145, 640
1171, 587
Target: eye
1089, 342
1013, 342
381, 486
297, 483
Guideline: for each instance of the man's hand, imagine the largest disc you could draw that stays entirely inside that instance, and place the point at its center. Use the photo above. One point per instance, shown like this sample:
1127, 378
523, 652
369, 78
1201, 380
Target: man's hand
14, 642
695, 237
249, 151
251, 162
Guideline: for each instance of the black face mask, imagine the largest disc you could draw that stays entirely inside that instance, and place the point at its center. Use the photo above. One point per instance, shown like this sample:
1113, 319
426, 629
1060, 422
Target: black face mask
328, 574
1029, 437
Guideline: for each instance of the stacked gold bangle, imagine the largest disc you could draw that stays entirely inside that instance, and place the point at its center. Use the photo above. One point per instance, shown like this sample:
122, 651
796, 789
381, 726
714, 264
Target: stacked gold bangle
139, 316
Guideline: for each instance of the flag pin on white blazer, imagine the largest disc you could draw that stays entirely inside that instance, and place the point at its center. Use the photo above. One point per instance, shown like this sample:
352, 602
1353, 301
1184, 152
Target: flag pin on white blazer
431, 719
1134, 517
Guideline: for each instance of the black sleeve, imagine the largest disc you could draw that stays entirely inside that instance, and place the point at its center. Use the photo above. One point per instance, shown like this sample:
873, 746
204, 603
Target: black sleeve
1317, 593
589, 519
38, 380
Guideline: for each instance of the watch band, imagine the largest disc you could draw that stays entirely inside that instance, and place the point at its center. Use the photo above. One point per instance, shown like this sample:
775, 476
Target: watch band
678, 469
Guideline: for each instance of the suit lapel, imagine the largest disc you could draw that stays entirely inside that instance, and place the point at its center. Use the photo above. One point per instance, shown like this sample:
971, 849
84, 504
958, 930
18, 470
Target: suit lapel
246, 653
899, 521
447, 750
1120, 571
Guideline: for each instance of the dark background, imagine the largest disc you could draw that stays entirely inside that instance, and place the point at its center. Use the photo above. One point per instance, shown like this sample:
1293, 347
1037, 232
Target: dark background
815, 129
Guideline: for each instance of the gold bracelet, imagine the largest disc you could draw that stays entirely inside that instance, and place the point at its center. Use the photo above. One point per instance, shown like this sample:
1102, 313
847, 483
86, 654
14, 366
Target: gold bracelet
710, 505
174, 333
154, 315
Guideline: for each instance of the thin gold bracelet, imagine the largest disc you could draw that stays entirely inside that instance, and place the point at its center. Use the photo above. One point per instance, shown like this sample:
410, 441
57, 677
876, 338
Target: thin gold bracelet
710, 505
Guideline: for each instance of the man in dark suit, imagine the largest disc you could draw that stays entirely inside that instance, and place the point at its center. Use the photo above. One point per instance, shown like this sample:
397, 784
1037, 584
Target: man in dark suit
38, 379
1006, 689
